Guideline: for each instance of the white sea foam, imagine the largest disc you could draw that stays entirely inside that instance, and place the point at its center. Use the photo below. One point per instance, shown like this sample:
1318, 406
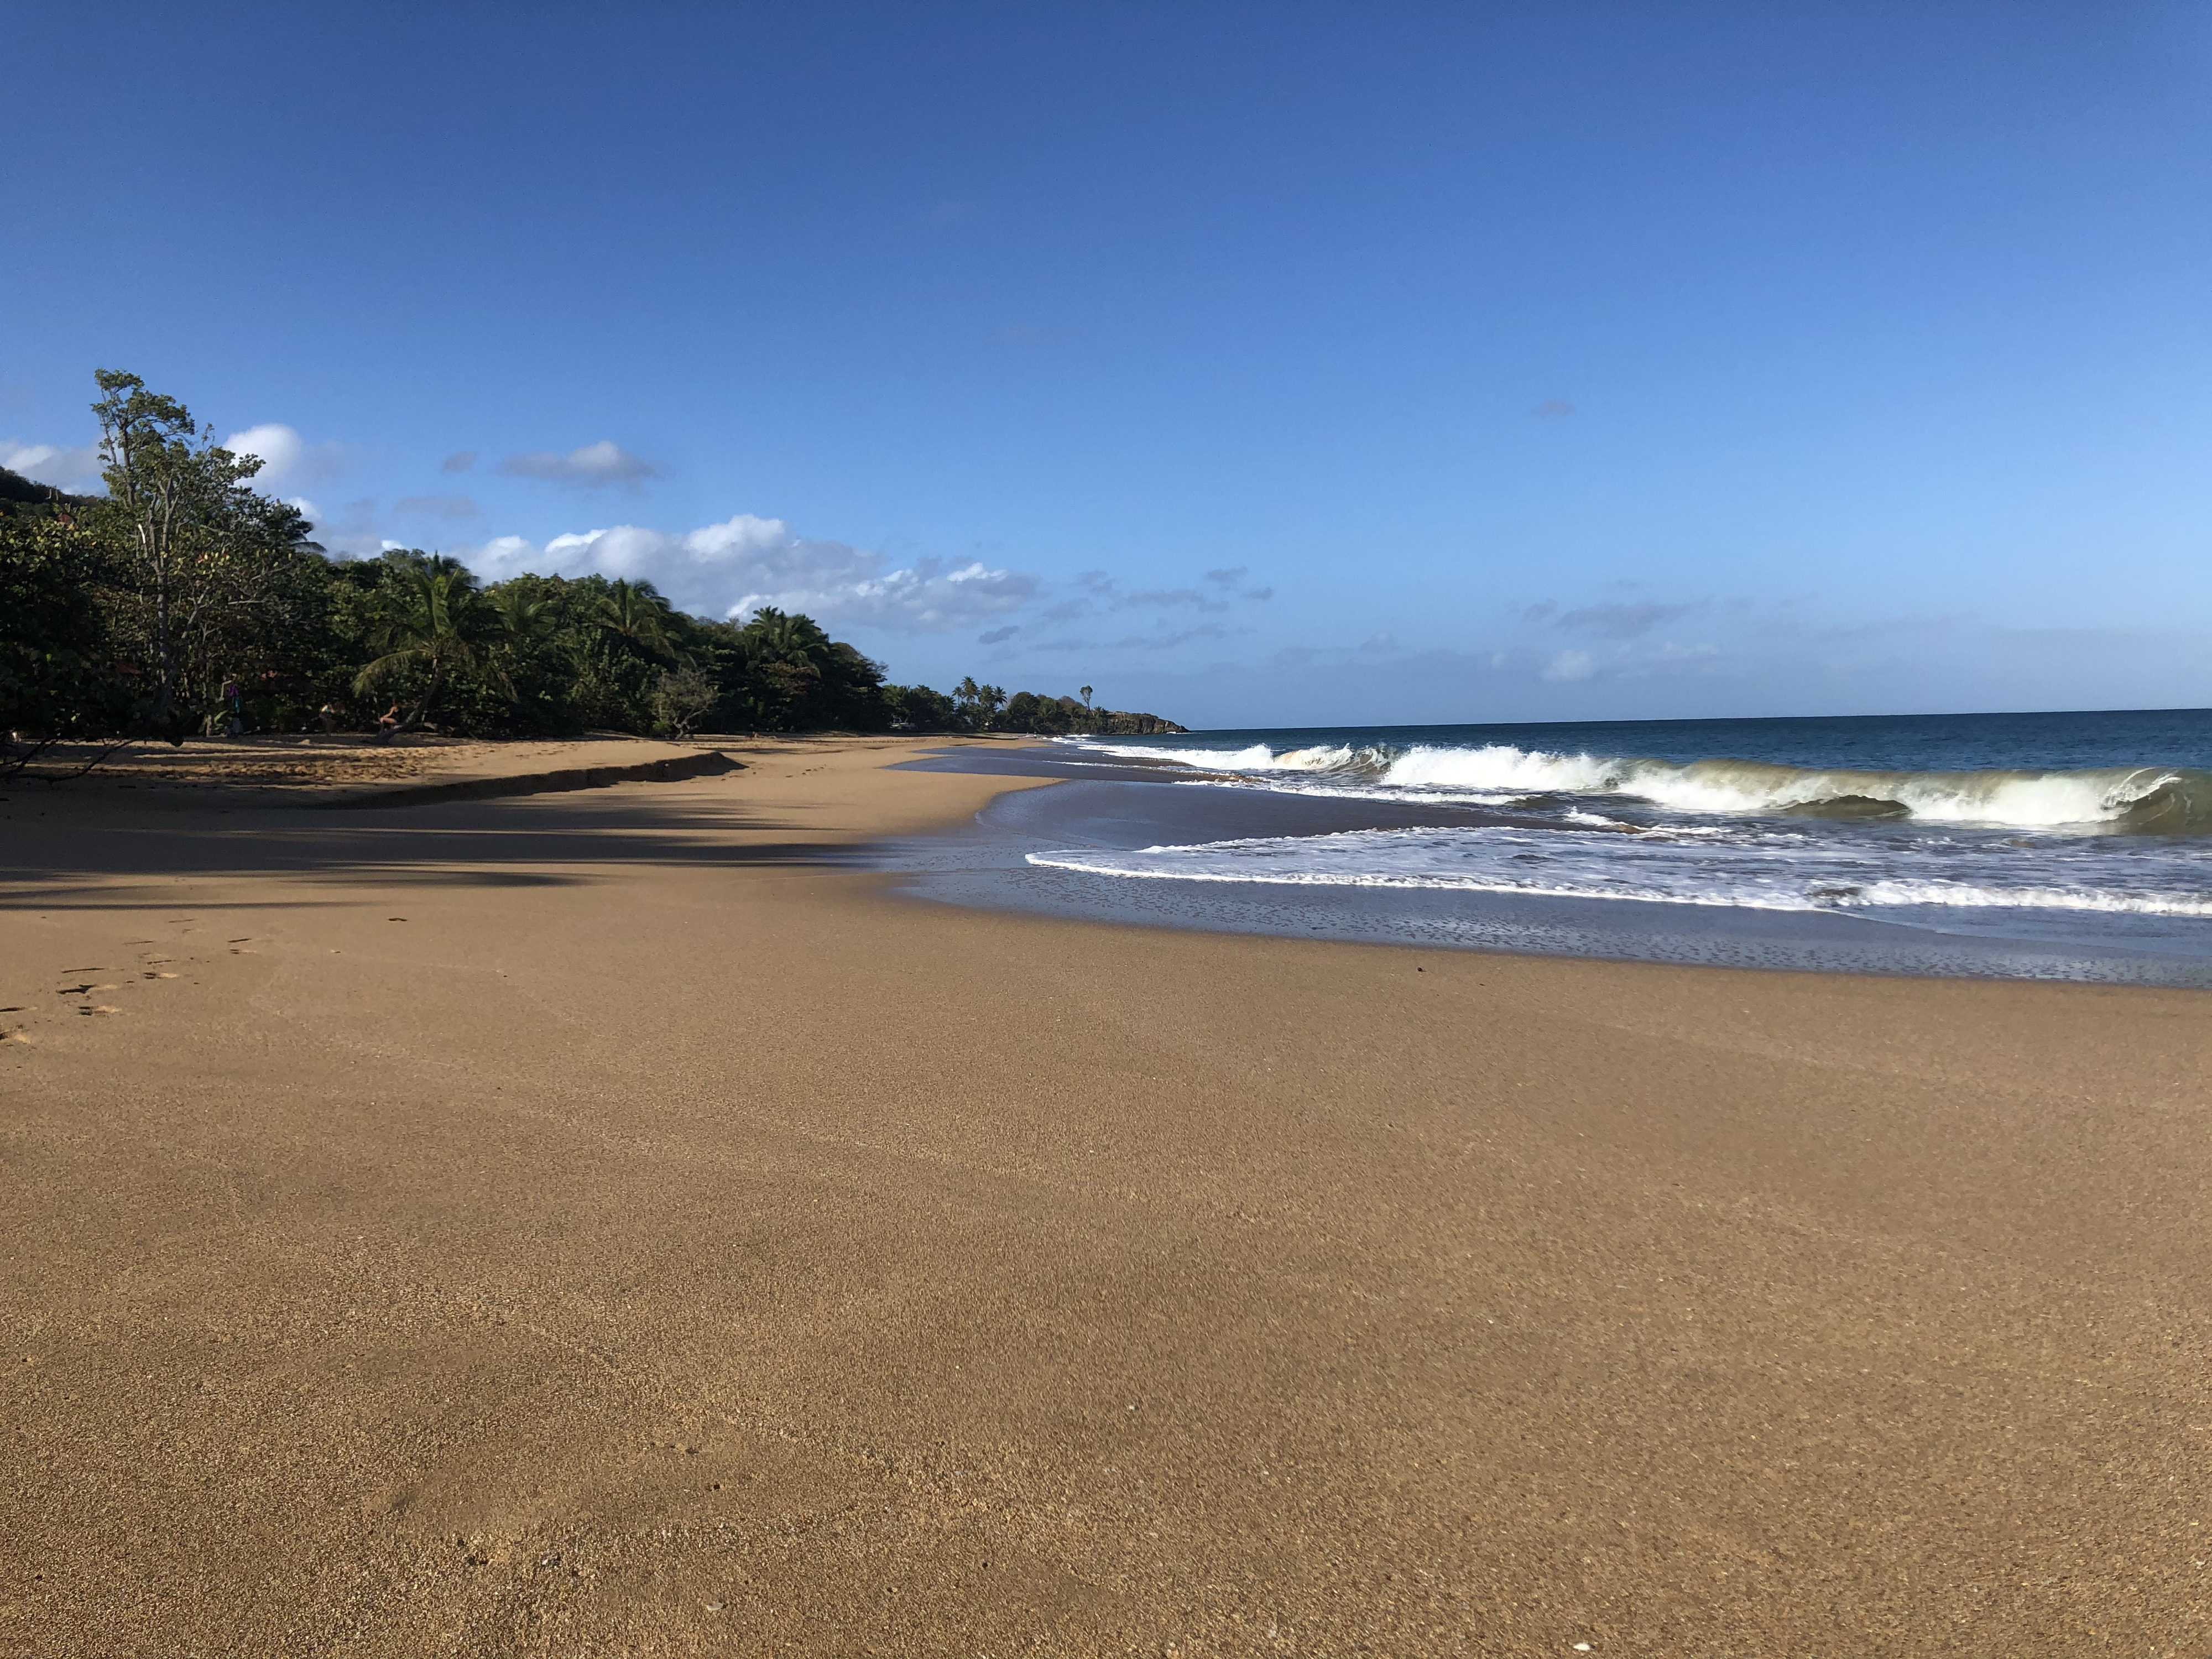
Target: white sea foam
1252, 757
2045, 854
2172, 799
1774, 871
1499, 767
1255, 757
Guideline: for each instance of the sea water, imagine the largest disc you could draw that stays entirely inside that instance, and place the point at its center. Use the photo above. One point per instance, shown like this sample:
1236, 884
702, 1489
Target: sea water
2072, 829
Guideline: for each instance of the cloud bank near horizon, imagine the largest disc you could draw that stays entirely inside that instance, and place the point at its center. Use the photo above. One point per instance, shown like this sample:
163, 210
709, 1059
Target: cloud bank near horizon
745, 563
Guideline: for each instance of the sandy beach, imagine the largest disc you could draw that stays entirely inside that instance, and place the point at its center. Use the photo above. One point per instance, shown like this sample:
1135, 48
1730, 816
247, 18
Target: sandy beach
604, 1222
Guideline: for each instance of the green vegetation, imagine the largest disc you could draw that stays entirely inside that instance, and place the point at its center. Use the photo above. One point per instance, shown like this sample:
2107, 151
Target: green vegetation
126, 615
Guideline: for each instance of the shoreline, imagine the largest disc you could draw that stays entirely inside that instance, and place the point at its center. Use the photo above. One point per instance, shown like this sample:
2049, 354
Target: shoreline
1110, 808
606, 1219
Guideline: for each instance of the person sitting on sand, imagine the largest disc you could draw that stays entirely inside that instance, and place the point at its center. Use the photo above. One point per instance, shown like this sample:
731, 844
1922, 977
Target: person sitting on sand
389, 719
329, 715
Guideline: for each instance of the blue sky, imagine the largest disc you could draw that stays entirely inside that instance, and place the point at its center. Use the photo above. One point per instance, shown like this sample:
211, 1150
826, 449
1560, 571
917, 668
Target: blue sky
1271, 364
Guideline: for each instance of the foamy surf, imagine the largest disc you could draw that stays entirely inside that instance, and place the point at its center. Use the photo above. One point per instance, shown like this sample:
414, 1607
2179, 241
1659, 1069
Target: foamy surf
2153, 799
1769, 872
2040, 827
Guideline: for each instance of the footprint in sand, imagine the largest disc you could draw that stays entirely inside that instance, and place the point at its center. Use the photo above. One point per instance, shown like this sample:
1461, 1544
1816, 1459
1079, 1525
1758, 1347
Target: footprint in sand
154, 963
85, 988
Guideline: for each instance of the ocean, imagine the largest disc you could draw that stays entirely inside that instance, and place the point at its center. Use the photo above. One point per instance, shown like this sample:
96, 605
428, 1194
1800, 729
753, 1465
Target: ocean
2060, 845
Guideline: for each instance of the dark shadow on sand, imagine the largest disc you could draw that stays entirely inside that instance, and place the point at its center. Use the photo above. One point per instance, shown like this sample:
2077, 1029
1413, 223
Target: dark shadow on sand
70, 856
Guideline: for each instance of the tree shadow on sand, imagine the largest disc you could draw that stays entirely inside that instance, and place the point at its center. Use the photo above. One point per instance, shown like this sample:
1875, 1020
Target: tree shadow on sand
78, 856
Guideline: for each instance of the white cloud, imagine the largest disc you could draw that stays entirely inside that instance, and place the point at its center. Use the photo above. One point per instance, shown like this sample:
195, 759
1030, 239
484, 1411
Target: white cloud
738, 567
591, 467
50, 464
286, 457
1569, 666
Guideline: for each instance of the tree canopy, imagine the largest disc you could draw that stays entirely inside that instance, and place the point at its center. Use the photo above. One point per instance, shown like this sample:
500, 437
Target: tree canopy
127, 615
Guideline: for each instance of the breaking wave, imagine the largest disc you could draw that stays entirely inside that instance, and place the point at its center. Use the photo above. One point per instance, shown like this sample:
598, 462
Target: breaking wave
2149, 799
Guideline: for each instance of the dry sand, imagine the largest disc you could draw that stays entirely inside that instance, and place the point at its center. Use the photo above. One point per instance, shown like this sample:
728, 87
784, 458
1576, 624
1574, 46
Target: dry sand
597, 1224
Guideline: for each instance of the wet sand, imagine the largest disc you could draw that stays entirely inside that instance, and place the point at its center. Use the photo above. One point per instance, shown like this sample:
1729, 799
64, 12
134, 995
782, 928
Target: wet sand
608, 1223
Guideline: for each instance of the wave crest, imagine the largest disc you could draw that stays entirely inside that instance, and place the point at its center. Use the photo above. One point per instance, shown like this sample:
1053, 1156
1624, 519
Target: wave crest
2151, 799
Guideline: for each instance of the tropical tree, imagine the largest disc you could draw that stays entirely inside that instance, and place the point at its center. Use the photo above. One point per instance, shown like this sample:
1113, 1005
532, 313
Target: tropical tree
784, 659
527, 619
919, 708
635, 614
198, 551
681, 697
434, 621
1030, 711
57, 679
979, 705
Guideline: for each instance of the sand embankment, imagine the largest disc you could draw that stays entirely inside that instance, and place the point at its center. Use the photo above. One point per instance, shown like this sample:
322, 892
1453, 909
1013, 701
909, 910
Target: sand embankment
599, 1222
348, 769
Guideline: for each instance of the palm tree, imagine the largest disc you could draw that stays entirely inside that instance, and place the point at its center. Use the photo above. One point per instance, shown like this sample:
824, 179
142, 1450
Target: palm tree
785, 656
789, 660
435, 620
634, 613
781, 636
980, 703
523, 620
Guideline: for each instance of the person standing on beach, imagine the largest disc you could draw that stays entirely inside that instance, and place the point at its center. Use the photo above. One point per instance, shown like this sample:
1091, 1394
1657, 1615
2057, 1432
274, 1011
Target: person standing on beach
233, 698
